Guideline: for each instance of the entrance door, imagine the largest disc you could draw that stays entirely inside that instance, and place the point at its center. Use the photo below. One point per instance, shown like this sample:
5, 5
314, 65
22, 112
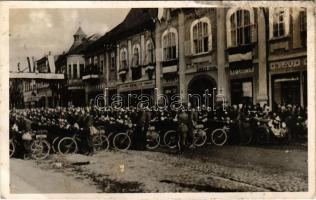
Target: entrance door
286, 89
199, 91
241, 91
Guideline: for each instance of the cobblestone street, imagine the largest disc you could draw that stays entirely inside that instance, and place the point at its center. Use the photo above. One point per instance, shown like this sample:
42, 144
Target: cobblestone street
208, 169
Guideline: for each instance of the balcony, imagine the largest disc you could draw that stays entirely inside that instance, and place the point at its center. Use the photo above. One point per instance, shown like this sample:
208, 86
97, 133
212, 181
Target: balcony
91, 72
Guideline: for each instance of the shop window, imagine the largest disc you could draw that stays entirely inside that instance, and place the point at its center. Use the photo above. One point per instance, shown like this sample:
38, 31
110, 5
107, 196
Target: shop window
303, 27
240, 27
200, 35
169, 44
69, 71
286, 89
242, 91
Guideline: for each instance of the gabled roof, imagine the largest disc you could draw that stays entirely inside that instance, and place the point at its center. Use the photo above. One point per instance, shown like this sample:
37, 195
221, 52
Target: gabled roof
136, 21
86, 42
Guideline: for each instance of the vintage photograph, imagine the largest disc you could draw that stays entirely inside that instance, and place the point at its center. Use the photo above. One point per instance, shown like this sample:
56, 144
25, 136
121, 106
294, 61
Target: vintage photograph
158, 100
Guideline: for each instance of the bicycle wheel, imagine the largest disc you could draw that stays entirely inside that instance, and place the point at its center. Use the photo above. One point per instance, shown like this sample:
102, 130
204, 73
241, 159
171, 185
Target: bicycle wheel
100, 142
153, 141
219, 137
67, 145
171, 138
199, 138
55, 144
122, 141
12, 148
39, 149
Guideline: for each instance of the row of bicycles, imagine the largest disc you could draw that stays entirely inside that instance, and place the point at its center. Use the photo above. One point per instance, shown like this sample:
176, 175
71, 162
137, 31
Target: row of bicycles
120, 134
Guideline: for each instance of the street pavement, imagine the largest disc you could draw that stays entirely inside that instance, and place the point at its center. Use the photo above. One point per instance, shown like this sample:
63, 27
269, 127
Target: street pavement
207, 169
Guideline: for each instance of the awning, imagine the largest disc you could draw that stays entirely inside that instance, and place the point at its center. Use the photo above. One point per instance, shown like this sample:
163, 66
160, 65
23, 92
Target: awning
49, 76
286, 79
170, 69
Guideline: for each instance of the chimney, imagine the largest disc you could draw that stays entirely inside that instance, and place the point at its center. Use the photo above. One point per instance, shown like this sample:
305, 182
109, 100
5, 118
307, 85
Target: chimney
29, 64
34, 64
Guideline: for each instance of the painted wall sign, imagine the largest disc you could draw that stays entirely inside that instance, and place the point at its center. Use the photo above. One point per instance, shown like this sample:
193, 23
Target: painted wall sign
287, 65
238, 71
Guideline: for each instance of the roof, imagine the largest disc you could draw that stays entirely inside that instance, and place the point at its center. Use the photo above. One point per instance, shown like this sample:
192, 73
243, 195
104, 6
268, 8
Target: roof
81, 48
80, 32
136, 21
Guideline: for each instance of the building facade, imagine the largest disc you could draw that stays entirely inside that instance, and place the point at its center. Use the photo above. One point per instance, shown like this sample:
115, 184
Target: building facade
236, 55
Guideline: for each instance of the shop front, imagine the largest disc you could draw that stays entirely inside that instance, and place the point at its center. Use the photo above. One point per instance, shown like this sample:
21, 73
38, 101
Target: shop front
131, 93
242, 85
288, 82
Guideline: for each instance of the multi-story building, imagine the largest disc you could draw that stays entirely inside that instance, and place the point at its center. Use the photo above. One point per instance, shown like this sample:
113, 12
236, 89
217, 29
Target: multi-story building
135, 54
77, 68
239, 55
40, 87
239, 51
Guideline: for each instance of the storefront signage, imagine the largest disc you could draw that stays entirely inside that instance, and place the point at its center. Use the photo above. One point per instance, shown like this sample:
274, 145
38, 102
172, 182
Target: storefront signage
136, 85
288, 64
238, 71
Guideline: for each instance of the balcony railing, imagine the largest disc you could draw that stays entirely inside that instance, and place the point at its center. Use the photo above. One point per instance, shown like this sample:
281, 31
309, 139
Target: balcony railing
90, 72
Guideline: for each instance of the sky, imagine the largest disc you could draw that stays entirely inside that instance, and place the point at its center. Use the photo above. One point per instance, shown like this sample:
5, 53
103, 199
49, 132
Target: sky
35, 32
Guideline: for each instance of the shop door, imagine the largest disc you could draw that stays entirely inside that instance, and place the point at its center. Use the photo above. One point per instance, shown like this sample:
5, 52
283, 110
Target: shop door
241, 91
286, 89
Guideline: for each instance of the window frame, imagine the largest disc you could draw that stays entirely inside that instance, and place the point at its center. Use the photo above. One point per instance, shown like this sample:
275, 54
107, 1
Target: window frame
123, 51
201, 38
150, 52
285, 21
230, 12
167, 44
238, 28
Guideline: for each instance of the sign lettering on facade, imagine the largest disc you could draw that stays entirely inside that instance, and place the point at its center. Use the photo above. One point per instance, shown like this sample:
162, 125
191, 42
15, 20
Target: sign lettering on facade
288, 64
235, 72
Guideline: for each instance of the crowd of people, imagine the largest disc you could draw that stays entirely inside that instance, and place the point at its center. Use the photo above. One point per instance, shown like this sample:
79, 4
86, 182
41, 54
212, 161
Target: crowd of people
183, 119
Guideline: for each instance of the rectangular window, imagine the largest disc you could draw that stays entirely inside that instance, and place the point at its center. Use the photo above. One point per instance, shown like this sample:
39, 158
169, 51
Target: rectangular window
69, 71
303, 27
278, 22
81, 70
170, 49
240, 28
112, 60
75, 73
101, 67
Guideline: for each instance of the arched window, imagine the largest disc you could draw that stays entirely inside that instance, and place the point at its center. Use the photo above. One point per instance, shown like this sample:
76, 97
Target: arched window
149, 52
240, 27
239, 23
279, 22
123, 64
201, 36
136, 56
170, 44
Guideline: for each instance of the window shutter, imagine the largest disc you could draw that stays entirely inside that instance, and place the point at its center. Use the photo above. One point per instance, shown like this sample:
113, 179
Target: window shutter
187, 48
